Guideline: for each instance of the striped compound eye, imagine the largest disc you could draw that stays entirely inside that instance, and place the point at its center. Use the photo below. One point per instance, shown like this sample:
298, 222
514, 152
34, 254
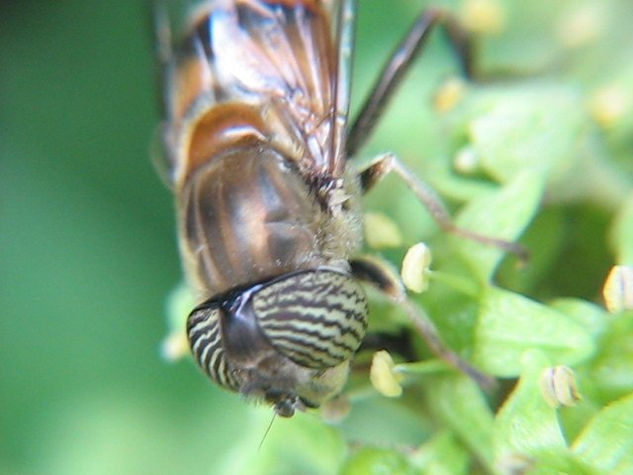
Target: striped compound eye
317, 318
265, 339
205, 340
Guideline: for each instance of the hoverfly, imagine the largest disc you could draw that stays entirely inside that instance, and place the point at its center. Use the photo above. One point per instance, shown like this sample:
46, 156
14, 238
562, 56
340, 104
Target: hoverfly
258, 153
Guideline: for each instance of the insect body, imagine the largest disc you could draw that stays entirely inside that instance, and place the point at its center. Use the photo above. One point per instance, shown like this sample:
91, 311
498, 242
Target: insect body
267, 217
256, 99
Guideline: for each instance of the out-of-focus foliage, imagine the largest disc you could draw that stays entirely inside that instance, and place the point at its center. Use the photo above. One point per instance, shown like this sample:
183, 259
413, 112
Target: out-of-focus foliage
540, 151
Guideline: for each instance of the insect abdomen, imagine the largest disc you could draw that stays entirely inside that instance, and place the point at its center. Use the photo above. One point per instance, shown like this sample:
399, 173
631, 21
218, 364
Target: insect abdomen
245, 217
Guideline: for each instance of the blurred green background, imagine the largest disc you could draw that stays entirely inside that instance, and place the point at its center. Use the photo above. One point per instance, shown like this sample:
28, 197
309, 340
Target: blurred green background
88, 246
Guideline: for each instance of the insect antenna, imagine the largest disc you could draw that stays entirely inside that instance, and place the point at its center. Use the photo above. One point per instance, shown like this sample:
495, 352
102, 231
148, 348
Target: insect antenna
270, 424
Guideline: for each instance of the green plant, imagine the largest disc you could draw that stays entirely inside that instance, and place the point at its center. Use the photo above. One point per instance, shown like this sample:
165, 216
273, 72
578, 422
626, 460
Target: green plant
544, 158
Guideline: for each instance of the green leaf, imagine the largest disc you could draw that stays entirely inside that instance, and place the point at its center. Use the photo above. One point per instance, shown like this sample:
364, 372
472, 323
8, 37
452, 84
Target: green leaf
459, 402
430, 366
607, 441
303, 444
558, 461
534, 127
503, 214
526, 422
442, 455
545, 239
376, 461
611, 371
589, 315
510, 324
621, 237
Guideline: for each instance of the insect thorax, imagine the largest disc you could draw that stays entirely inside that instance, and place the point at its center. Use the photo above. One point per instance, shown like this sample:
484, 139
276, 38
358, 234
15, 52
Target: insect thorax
250, 214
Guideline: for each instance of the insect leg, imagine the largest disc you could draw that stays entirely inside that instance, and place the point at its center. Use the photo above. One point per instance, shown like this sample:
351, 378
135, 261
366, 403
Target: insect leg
387, 163
378, 274
399, 63
400, 344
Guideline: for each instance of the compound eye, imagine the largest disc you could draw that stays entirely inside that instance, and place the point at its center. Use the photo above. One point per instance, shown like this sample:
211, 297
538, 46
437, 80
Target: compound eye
205, 340
315, 318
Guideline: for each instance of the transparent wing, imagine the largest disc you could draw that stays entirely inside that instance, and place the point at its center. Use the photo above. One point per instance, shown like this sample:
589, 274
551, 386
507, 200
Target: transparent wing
283, 64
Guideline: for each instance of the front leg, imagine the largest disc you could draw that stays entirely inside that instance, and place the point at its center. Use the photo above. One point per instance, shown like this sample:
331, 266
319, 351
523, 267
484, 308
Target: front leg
400, 61
378, 274
388, 163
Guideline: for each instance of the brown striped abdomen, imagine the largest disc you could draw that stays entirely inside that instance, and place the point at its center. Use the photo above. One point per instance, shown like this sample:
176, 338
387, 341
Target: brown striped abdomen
247, 216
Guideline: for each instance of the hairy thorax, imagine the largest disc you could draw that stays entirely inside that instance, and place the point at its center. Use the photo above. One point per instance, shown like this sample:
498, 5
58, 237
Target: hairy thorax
248, 215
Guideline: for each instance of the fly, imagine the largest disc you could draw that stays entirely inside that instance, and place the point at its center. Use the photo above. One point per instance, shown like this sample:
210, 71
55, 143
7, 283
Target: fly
258, 153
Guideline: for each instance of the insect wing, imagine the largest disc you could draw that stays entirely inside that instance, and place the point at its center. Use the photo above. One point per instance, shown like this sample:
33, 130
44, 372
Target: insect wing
276, 70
